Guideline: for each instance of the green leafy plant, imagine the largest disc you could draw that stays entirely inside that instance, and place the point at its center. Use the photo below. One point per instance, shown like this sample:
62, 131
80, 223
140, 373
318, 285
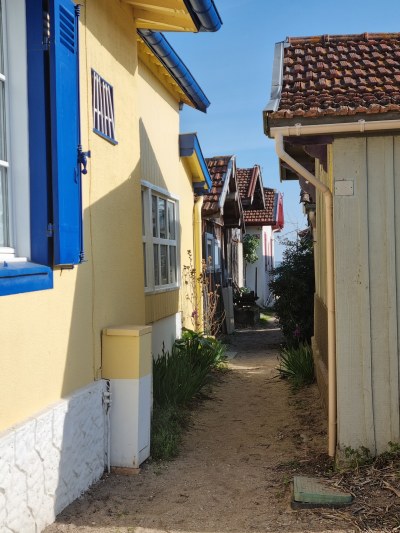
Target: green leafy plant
356, 458
178, 377
250, 245
168, 423
297, 365
293, 287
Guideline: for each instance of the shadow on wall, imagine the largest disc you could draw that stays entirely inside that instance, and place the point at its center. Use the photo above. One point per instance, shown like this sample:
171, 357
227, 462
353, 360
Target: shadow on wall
108, 291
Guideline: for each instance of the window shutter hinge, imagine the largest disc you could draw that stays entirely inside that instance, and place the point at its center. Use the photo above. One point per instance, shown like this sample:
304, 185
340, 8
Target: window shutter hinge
82, 159
50, 230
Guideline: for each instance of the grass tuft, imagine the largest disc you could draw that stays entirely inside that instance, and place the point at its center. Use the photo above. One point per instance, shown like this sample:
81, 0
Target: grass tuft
297, 365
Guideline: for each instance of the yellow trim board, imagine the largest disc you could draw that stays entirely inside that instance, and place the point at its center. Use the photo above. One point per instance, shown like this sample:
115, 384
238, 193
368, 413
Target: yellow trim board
161, 73
162, 15
126, 356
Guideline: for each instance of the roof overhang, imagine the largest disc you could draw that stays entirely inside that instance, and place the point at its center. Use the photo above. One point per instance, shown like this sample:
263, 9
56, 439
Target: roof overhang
156, 52
189, 149
175, 15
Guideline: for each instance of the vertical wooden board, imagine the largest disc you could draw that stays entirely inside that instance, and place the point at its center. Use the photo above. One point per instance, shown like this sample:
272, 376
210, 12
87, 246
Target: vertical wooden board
355, 415
381, 229
395, 365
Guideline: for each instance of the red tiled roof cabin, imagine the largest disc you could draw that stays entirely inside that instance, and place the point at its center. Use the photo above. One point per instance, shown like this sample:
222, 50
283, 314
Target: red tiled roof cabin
334, 114
263, 215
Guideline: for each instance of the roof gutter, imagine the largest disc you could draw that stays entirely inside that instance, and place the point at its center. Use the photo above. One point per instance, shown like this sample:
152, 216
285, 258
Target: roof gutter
358, 126
161, 48
204, 14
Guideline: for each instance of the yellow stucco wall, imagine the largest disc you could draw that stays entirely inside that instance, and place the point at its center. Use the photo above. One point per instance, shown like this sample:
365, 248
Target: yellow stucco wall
162, 167
51, 340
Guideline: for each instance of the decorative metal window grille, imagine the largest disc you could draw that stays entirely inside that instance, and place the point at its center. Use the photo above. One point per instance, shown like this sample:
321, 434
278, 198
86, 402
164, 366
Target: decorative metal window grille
103, 107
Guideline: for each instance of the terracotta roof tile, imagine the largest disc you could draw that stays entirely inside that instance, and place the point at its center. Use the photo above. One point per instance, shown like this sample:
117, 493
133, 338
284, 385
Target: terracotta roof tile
262, 217
340, 75
217, 167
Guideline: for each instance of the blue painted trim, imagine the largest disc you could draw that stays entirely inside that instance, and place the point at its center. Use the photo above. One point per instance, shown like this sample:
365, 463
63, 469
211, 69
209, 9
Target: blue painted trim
106, 137
39, 140
17, 278
204, 14
161, 48
189, 144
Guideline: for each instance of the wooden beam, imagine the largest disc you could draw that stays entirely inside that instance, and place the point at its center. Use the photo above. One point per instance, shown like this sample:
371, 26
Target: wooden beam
146, 18
174, 5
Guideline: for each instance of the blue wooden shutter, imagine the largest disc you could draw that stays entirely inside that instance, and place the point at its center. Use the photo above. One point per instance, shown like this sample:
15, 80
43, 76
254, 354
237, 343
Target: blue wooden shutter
65, 133
39, 142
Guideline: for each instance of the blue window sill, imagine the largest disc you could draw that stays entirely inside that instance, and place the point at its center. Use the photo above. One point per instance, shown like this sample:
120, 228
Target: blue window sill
21, 277
106, 137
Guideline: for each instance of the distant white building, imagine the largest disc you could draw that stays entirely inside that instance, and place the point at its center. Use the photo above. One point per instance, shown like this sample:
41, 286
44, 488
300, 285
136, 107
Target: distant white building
263, 217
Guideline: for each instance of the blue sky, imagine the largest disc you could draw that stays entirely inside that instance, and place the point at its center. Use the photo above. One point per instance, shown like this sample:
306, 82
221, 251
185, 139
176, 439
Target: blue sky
234, 65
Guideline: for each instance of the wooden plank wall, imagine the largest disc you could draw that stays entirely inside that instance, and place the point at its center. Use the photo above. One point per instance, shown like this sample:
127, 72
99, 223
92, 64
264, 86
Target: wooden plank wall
367, 302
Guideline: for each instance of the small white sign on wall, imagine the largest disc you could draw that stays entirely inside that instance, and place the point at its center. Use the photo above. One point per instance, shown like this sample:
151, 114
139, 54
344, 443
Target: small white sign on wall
344, 188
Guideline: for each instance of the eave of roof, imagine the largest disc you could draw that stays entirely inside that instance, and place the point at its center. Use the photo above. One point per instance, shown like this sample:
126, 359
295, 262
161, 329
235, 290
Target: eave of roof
189, 148
335, 79
163, 51
175, 15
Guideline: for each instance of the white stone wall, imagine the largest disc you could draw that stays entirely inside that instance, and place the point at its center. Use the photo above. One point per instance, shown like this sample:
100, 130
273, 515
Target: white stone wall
49, 460
164, 333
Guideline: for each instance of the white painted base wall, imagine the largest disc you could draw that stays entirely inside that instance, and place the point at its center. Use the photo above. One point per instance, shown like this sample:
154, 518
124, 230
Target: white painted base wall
165, 331
130, 416
265, 262
49, 460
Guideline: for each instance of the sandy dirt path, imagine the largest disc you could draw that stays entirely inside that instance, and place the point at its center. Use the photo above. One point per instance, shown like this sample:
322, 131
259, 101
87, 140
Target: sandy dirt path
231, 475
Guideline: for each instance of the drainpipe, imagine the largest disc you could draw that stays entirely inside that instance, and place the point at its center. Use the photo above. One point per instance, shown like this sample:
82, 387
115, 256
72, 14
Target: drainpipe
328, 200
198, 257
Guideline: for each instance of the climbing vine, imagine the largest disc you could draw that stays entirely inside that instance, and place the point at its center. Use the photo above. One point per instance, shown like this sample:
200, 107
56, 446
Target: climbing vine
250, 245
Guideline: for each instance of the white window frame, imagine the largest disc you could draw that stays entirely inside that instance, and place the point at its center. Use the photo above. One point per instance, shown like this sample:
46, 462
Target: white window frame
17, 142
149, 240
103, 107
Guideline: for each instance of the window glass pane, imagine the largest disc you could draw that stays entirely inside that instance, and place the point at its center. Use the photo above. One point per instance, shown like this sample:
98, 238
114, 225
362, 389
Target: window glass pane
164, 264
143, 210
172, 264
171, 221
4, 240
3, 146
145, 264
162, 218
154, 215
1, 43
156, 265
209, 252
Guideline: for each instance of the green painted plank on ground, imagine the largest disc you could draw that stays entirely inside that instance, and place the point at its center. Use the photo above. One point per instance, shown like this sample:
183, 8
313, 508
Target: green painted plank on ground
311, 490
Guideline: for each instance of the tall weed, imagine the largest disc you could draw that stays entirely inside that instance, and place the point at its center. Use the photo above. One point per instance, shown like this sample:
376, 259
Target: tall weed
297, 365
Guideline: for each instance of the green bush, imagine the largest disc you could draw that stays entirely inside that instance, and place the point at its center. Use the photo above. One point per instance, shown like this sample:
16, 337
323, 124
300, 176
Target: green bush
181, 374
250, 245
293, 287
297, 365
178, 376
